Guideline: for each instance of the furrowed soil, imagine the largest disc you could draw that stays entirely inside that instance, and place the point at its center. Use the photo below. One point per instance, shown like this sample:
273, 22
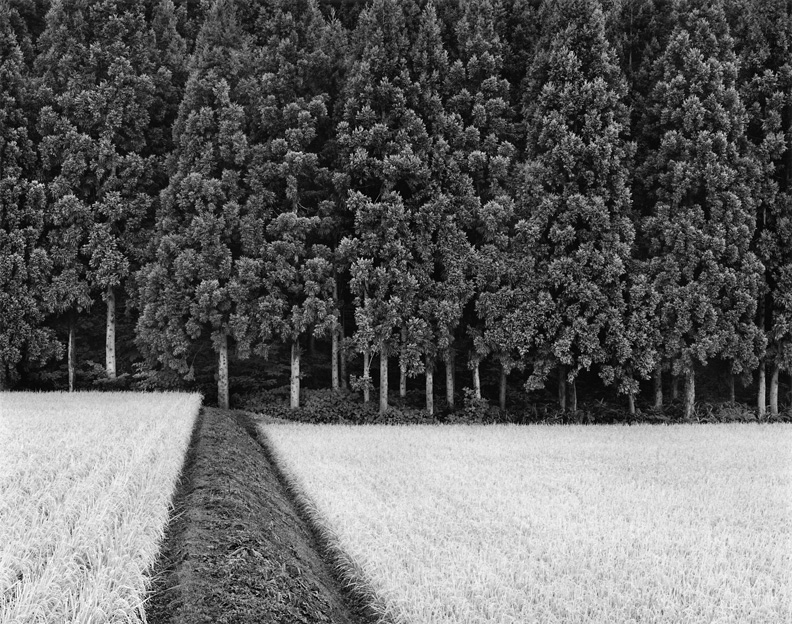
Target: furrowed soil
237, 549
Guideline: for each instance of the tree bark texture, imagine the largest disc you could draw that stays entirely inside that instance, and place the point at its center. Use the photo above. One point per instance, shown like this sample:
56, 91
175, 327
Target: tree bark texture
674, 387
631, 404
761, 401
449, 371
774, 391
366, 376
383, 393
110, 338
402, 369
294, 393
222, 372
429, 387
731, 388
334, 380
70, 352
658, 387
573, 397
690, 393
476, 380
342, 361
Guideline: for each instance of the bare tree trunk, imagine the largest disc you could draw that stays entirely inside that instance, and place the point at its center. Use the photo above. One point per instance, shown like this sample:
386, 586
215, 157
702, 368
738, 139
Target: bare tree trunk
502, 394
295, 375
70, 352
366, 376
476, 380
383, 393
342, 363
774, 390
762, 391
222, 372
562, 390
334, 381
690, 393
110, 338
402, 369
449, 370
674, 387
631, 404
731, 388
658, 387
573, 396
429, 386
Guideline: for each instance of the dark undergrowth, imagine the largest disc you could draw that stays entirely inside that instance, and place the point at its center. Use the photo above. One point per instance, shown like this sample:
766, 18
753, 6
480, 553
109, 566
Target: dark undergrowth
237, 549
327, 406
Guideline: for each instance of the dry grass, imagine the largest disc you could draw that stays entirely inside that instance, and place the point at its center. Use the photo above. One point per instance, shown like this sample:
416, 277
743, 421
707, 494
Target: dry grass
85, 487
557, 524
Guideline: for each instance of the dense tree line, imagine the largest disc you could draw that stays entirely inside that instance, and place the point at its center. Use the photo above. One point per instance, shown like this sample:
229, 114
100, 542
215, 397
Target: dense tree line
543, 186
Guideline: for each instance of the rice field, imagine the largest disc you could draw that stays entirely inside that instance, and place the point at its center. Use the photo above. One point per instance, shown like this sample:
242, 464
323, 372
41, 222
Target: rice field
85, 487
500, 524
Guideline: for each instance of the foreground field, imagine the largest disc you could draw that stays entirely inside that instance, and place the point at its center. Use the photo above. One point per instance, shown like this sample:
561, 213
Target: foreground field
85, 486
557, 524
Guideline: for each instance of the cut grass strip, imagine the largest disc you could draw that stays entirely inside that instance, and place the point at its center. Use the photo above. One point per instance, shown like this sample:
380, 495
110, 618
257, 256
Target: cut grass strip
85, 486
568, 524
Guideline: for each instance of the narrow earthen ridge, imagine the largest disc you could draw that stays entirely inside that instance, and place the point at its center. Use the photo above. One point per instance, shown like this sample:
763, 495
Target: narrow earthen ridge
163, 594
349, 573
238, 550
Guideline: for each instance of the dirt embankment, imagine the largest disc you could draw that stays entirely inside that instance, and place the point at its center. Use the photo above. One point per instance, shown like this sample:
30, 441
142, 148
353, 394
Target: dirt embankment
236, 549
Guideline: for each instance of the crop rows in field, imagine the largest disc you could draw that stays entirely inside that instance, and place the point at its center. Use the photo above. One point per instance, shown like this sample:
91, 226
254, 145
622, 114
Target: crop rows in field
542, 524
85, 486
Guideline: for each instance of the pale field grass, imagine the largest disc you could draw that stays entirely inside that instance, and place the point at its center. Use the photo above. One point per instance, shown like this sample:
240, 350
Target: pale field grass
497, 524
85, 487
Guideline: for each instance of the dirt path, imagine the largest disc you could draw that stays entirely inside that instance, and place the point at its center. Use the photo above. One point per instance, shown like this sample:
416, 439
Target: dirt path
236, 550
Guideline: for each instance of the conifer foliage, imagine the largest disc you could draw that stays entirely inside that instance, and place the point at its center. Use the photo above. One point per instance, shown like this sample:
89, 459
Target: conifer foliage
548, 194
699, 173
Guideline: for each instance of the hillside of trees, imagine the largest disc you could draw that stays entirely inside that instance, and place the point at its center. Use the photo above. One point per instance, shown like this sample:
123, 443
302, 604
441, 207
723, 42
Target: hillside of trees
547, 199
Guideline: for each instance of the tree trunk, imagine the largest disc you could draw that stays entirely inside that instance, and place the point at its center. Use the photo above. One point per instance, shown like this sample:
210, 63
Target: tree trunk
476, 380
731, 388
402, 369
762, 391
631, 404
690, 393
774, 391
429, 387
449, 370
366, 376
562, 390
311, 341
502, 394
658, 387
674, 387
342, 363
222, 372
295, 375
110, 338
334, 381
573, 396
383, 393
70, 352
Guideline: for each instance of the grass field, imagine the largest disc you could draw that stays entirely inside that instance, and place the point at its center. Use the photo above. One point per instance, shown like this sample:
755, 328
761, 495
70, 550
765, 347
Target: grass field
85, 486
539, 524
